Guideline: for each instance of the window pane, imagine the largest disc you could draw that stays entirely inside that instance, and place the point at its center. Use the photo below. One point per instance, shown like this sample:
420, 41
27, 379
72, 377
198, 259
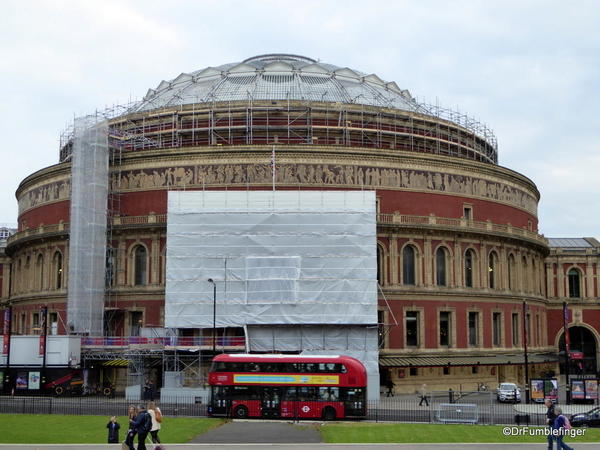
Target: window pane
140, 266
496, 330
408, 265
473, 328
574, 291
445, 328
440, 262
412, 328
469, 268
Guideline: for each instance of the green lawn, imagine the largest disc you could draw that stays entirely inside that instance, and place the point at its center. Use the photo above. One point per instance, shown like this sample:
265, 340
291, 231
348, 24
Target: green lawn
57, 429
425, 433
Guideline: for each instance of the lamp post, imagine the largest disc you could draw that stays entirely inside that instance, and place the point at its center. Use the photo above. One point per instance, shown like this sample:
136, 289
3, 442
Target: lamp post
525, 338
214, 330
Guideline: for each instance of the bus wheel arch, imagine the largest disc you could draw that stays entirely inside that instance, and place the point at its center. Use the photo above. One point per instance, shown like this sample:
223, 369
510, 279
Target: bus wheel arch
240, 412
328, 413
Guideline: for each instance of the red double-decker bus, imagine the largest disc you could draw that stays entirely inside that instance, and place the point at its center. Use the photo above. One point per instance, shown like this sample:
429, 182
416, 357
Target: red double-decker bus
288, 386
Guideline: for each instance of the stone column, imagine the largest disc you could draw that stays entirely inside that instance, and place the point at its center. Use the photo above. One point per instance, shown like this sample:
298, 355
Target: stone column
458, 258
394, 276
427, 258
561, 278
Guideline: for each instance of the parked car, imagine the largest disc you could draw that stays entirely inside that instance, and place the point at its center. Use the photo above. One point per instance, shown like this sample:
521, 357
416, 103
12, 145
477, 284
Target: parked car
587, 419
508, 392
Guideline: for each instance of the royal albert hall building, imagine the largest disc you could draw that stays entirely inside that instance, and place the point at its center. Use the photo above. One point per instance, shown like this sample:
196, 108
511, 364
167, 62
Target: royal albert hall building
465, 275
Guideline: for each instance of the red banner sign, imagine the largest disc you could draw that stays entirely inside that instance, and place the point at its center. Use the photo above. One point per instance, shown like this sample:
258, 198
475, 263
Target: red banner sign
42, 347
6, 340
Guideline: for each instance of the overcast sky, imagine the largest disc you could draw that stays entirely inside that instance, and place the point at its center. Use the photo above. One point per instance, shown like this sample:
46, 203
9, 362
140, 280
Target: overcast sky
528, 69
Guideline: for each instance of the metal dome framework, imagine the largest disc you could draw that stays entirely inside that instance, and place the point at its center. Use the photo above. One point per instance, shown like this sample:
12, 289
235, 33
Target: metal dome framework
283, 99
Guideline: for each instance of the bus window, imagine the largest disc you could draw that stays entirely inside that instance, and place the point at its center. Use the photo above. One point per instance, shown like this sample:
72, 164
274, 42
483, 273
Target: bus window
307, 393
355, 395
289, 393
329, 368
329, 394
244, 393
310, 367
220, 392
218, 367
343, 368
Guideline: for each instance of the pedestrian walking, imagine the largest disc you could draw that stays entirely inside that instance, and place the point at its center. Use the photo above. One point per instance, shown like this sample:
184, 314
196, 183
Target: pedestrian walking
156, 415
131, 416
113, 430
561, 426
143, 425
423, 395
550, 418
390, 387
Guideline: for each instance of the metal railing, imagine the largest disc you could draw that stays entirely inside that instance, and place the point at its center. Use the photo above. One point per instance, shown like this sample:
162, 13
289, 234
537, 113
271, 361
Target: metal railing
173, 341
475, 407
383, 219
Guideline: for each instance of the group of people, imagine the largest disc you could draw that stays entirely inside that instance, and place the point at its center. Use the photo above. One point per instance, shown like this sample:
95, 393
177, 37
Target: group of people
142, 422
558, 424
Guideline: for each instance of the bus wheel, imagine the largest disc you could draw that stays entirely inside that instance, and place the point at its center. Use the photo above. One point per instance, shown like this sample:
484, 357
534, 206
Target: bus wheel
58, 390
328, 413
241, 412
107, 391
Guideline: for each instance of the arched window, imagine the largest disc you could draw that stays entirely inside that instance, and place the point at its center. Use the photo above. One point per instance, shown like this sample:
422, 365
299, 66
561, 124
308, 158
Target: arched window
511, 272
39, 270
408, 265
492, 270
57, 263
469, 258
140, 273
574, 283
441, 266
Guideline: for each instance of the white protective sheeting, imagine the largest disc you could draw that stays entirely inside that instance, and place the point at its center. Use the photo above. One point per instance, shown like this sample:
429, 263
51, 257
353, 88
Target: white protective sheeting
277, 257
358, 341
87, 239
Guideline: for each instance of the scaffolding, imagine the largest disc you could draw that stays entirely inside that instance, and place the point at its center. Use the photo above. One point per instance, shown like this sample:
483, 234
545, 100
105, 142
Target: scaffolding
87, 240
434, 130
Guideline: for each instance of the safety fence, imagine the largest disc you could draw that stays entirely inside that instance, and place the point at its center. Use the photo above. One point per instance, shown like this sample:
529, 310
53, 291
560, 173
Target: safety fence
482, 408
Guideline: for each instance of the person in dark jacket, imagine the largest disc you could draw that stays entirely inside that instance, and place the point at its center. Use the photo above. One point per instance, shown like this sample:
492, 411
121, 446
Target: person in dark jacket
390, 387
113, 430
131, 415
142, 424
550, 418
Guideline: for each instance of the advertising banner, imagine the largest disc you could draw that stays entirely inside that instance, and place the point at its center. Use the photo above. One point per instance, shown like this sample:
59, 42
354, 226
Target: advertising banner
544, 389
34, 380
6, 341
551, 389
591, 389
286, 379
42, 345
577, 390
537, 390
22, 380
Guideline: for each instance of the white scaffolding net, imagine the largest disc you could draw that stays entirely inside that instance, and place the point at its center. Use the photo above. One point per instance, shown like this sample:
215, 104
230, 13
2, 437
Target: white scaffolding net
87, 241
296, 269
276, 257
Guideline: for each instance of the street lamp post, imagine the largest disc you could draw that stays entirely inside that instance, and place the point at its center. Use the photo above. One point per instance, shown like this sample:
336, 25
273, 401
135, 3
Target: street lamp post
525, 338
214, 328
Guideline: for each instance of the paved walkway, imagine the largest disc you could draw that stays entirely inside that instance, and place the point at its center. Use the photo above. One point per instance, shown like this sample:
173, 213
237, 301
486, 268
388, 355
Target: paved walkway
299, 446
253, 432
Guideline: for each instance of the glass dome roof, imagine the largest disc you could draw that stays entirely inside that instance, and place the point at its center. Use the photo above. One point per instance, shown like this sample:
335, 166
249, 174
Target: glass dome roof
278, 77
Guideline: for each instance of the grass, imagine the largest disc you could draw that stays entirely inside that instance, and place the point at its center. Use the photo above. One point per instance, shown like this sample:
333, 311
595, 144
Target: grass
426, 433
60, 429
